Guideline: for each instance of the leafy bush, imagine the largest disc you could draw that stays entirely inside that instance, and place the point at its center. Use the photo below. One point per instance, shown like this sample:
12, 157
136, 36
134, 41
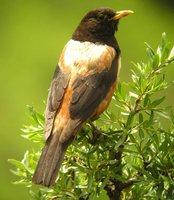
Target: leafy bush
128, 152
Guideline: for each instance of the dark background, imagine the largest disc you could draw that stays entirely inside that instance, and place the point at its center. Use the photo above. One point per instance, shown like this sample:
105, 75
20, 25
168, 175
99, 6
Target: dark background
32, 35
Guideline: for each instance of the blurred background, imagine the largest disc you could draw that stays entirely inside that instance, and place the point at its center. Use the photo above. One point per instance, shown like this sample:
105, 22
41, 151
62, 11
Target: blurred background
32, 35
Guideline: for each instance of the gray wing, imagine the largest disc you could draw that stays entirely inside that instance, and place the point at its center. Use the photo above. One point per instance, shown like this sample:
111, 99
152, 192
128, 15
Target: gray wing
89, 91
56, 92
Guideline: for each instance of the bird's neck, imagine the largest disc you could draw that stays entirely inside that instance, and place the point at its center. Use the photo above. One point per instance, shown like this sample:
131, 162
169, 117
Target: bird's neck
84, 36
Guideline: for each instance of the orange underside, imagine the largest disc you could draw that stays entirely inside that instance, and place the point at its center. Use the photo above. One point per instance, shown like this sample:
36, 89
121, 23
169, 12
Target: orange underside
105, 103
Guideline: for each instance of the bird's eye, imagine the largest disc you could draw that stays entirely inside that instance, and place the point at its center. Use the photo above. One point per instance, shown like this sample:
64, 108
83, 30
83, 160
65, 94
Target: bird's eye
101, 16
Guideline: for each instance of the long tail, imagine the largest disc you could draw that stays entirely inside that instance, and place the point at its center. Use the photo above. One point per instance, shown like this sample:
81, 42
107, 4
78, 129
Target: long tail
50, 160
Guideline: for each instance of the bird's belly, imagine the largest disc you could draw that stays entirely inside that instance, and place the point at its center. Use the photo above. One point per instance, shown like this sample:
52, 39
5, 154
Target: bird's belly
105, 102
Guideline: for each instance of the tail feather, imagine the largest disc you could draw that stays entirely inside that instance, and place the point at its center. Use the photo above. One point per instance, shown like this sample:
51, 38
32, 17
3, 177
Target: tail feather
50, 161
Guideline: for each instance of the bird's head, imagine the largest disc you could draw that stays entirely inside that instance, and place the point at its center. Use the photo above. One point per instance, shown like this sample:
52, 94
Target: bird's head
100, 23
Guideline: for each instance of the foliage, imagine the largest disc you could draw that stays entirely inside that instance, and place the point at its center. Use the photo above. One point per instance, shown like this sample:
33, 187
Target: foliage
128, 152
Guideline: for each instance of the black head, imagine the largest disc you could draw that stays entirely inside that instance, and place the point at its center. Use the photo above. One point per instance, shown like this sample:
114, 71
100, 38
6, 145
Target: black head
99, 25
100, 22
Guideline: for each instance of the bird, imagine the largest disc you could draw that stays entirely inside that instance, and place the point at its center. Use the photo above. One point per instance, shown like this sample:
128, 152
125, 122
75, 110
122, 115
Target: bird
82, 87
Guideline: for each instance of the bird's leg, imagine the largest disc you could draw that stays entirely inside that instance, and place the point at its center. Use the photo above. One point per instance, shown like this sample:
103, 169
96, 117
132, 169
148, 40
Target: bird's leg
95, 132
98, 131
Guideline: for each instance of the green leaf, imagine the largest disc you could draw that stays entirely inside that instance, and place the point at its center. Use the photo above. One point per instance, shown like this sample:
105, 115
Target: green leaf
133, 140
160, 189
90, 181
37, 117
163, 40
156, 61
166, 52
17, 163
152, 53
141, 134
151, 119
120, 92
157, 102
146, 100
121, 141
171, 60
140, 118
130, 120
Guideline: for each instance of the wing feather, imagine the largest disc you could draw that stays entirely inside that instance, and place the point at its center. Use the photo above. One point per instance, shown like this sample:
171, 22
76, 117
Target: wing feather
56, 92
89, 91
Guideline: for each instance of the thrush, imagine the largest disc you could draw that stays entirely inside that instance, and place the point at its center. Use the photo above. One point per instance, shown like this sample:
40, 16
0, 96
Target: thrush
82, 87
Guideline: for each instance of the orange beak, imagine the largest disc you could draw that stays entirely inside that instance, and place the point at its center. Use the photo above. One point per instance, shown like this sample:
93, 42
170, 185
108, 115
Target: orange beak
123, 13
